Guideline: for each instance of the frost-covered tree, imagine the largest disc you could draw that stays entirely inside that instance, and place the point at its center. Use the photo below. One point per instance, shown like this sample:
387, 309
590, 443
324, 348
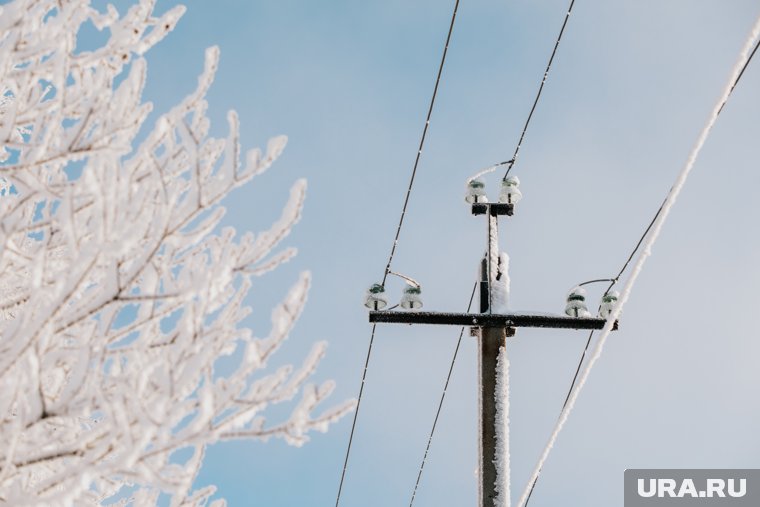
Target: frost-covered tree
117, 295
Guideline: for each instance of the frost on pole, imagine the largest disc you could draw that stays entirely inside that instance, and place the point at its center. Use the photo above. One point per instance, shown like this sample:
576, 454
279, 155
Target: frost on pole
118, 291
502, 430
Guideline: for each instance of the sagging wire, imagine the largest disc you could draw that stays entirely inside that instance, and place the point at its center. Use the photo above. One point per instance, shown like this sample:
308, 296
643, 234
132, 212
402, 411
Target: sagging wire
540, 90
395, 245
440, 403
614, 280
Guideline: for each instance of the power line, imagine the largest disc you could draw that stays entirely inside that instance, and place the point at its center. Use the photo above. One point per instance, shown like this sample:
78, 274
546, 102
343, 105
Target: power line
395, 244
540, 89
510, 164
613, 281
401, 221
440, 403
741, 73
422, 143
356, 413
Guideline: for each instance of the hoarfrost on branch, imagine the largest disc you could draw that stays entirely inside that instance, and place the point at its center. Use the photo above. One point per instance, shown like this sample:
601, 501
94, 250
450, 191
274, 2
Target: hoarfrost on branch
117, 296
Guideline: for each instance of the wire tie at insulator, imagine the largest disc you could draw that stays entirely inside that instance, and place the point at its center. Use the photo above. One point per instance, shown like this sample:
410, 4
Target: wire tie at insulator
411, 281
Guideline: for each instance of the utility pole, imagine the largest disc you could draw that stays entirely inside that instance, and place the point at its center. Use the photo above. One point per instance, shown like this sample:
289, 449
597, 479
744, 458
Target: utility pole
492, 330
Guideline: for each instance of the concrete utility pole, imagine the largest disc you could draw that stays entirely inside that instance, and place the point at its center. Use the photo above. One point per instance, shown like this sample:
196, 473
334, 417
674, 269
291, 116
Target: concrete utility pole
492, 330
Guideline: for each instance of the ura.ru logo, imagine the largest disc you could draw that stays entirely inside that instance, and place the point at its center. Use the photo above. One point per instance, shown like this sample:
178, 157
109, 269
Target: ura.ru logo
714, 488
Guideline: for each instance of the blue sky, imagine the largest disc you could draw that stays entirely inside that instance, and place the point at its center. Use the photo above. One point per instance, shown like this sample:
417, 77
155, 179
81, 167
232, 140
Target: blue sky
633, 82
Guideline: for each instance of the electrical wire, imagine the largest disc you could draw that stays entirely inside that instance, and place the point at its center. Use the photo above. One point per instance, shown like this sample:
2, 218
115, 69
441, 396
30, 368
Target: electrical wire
540, 90
595, 281
422, 143
741, 73
395, 245
510, 163
356, 414
613, 281
408, 279
440, 403
487, 170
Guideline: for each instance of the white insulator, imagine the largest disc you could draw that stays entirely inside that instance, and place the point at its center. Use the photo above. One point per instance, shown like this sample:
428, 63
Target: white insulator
375, 298
576, 303
609, 301
510, 191
476, 192
411, 299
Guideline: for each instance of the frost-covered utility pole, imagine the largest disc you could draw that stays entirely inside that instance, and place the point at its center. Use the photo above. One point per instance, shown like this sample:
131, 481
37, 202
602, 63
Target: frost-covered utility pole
492, 326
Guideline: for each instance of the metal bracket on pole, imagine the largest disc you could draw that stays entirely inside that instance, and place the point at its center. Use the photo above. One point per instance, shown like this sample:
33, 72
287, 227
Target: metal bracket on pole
513, 320
493, 208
